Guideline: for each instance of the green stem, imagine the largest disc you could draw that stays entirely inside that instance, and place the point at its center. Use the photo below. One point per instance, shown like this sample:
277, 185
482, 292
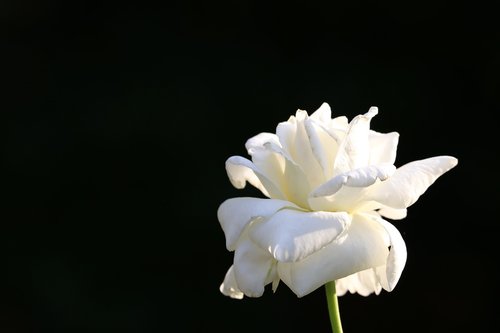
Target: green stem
333, 307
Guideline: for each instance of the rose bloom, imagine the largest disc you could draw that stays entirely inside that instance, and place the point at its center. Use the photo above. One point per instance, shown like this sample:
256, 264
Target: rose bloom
329, 185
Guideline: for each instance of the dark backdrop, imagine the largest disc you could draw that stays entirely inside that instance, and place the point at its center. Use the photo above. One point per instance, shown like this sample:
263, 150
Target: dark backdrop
118, 120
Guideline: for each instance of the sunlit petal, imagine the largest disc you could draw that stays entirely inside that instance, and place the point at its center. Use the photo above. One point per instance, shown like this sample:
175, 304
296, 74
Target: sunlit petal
383, 147
397, 255
286, 132
354, 151
241, 170
305, 157
410, 181
323, 147
362, 247
252, 267
235, 214
259, 142
268, 157
323, 114
229, 286
392, 213
364, 283
291, 235
362, 177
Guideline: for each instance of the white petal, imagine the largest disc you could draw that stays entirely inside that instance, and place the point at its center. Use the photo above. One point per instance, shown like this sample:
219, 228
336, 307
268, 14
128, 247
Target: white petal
268, 157
364, 283
381, 210
323, 114
291, 235
279, 167
300, 115
397, 255
337, 128
354, 151
383, 147
276, 281
259, 142
272, 277
323, 146
346, 192
392, 213
252, 267
361, 247
385, 276
361, 177
305, 157
229, 286
286, 132
241, 170
339, 123
410, 181
368, 283
296, 186
381, 273
293, 183
235, 214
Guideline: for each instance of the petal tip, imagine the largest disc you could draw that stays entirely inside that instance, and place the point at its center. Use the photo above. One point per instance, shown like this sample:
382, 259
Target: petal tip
448, 162
453, 161
372, 112
324, 106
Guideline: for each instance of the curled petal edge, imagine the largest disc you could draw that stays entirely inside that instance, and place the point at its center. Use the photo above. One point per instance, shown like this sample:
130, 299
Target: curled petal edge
361, 177
236, 213
410, 181
291, 235
241, 170
229, 287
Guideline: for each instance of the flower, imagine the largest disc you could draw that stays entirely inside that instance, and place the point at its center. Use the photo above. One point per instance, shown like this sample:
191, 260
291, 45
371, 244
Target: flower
329, 184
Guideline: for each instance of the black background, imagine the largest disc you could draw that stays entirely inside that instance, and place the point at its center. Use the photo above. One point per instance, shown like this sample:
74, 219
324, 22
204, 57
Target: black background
118, 120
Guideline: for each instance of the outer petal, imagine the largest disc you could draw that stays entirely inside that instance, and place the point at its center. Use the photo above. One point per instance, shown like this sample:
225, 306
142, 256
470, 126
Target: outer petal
291, 235
235, 214
252, 267
392, 213
364, 283
362, 247
410, 181
385, 276
397, 255
241, 170
383, 147
354, 151
260, 141
385, 211
229, 286
267, 156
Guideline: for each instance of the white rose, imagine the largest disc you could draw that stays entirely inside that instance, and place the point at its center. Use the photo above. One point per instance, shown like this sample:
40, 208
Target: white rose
329, 183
